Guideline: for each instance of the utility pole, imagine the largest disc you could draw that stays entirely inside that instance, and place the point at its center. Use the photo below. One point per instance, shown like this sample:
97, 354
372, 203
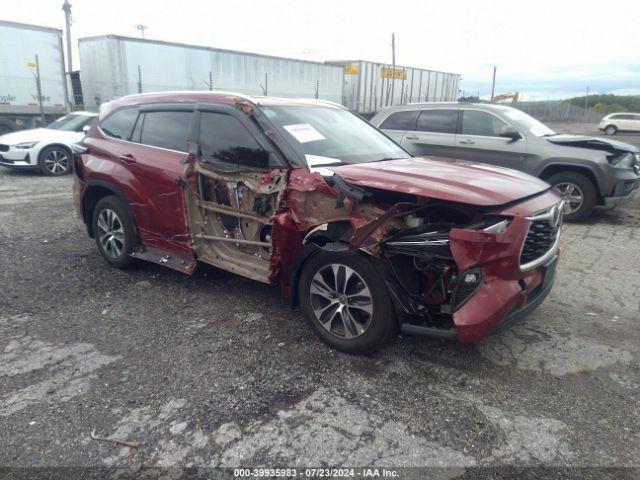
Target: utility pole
139, 79
210, 80
265, 87
586, 98
317, 89
393, 62
142, 28
493, 84
66, 7
39, 90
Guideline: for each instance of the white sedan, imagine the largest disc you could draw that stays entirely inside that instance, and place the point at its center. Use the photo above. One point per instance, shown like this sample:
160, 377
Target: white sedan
48, 148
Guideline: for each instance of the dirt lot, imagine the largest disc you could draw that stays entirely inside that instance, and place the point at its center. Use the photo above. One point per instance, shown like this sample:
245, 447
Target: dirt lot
217, 370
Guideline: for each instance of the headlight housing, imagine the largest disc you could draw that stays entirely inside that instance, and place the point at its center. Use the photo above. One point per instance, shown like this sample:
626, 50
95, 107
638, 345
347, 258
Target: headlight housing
25, 145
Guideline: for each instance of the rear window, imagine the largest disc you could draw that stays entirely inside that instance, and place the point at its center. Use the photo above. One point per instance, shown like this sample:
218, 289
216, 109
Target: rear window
166, 129
401, 121
438, 121
120, 123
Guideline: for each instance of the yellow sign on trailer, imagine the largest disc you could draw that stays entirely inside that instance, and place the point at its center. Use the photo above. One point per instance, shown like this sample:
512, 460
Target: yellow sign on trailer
393, 73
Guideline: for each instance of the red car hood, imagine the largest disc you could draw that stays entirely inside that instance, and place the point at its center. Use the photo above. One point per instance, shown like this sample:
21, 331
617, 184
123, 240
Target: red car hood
445, 179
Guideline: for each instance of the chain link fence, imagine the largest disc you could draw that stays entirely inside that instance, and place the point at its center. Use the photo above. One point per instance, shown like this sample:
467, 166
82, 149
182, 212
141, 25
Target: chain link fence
560, 111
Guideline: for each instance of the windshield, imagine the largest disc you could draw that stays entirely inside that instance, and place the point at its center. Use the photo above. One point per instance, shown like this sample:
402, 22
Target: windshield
529, 123
333, 134
70, 123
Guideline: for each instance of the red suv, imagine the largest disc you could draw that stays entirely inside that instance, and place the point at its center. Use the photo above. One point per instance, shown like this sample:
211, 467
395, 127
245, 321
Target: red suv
305, 194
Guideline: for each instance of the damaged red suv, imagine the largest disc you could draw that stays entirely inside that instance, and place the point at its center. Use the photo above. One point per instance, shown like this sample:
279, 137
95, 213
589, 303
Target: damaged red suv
306, 195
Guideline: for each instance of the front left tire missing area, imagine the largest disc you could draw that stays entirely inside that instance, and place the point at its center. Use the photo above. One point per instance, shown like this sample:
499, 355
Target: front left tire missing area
54, 161
346, 301
114, 232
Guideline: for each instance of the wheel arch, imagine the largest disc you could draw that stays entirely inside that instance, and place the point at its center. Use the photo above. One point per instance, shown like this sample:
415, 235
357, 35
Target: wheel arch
96, 190
337, 232
556, 167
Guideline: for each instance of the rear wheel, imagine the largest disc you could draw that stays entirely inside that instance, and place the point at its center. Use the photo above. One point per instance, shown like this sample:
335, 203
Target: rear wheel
114, 232
578, 192
54, 161
611, 130
346, 301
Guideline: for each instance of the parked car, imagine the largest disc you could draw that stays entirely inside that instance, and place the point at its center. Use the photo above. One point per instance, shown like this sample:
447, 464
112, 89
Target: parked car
620, 122
306, 195
586, 171
47, 149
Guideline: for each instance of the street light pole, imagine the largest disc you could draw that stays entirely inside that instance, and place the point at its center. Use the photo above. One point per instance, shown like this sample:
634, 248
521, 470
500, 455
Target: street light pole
66, 7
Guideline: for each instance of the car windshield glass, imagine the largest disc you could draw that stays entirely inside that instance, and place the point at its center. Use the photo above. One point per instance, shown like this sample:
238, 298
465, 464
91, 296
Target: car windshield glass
70, 123
529, 123
321, 132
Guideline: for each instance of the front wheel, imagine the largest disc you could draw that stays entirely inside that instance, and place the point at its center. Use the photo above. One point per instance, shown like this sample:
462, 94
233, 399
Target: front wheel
611, 130
346, 301
54, 161
578, 192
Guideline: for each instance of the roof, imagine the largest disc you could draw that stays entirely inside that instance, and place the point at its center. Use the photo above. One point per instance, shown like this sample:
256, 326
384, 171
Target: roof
214, 96
27, 26
198, 47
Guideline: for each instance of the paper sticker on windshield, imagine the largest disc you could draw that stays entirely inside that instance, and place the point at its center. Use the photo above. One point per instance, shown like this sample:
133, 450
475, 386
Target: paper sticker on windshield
304, 132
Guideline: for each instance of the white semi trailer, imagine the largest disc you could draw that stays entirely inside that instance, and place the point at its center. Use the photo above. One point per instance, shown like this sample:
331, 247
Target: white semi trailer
30, 55
113, 66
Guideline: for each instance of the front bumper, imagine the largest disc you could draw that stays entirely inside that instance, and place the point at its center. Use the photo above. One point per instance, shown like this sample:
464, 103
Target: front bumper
16, 158
624, 193
503, 301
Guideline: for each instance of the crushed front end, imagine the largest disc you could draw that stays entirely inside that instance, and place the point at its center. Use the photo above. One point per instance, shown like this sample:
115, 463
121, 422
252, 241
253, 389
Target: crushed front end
460, 272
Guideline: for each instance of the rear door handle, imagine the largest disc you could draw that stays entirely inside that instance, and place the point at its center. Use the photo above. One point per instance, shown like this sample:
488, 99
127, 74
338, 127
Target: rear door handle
412, 137
128, 158
467, 142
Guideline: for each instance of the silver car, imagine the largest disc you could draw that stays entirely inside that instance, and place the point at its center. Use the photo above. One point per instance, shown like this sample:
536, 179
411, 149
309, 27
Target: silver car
586, 171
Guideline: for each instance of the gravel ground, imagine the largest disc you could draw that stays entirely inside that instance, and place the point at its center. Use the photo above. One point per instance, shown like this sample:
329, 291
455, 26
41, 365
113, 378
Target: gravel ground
217, 370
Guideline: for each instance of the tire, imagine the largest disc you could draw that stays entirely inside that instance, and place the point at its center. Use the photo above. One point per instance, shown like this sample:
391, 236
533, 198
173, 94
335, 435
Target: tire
575, 182
115, 232
55, 161
353, 323
610, 130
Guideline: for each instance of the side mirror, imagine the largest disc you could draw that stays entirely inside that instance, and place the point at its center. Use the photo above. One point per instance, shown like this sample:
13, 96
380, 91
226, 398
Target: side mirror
86, 128
510, 132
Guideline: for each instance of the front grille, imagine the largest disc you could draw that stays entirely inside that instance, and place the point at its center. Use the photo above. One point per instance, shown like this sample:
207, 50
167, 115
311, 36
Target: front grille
4, 148
540, 239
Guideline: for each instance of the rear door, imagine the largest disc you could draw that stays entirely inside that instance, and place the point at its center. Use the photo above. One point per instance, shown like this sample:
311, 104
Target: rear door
154, 156
434, 135
399, 123
636, 123
479, 140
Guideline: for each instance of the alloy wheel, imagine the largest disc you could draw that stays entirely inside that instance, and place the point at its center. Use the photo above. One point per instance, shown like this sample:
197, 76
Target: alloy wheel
56, 161
110, 233
572, 195
341, 301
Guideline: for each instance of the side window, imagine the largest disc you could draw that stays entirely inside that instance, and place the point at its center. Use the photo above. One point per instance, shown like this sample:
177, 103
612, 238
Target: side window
400, 121
224, 139
120, 123
438, 121
168, 129
475, 122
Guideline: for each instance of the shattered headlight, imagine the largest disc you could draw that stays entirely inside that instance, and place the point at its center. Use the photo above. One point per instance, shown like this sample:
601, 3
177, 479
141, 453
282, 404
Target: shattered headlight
25, 145
494, 224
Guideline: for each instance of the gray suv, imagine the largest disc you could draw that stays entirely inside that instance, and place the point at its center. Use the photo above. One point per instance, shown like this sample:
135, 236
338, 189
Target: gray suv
586, 171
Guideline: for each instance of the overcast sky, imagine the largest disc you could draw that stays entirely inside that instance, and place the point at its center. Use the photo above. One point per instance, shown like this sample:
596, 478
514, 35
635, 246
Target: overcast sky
544, 49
